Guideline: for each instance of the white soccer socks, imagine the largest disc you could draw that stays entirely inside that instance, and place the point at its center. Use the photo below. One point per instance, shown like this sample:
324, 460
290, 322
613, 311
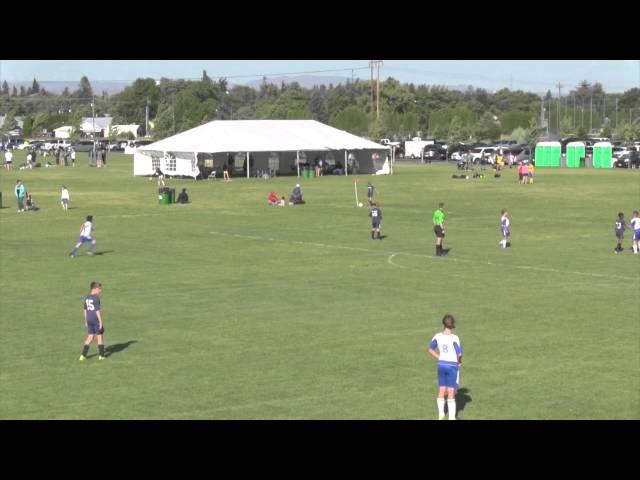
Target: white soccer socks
440, 402
451, 404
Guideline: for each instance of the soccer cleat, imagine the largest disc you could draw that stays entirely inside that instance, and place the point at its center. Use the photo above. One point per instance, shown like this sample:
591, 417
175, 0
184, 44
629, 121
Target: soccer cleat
441, 417
101, 357
82, 358
89, 253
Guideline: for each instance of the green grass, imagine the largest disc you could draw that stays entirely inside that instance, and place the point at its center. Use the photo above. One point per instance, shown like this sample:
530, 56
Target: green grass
227, 308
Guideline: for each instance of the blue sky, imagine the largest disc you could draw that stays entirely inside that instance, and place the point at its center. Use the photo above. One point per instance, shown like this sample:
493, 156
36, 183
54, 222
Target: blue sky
531, 75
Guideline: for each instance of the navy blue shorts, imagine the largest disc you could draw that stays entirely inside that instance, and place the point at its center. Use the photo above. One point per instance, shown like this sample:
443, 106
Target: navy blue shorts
375, 224
93, 328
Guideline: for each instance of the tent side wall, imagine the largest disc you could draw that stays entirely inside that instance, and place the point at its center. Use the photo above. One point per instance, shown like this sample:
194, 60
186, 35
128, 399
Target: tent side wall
142, 164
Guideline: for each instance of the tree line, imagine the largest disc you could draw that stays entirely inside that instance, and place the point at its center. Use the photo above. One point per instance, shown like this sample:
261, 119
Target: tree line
405, 110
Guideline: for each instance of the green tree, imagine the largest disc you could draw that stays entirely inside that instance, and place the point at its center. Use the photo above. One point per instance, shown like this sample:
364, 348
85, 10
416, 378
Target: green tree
519, 135
27, 126
532, 133
487, 127
84, 89
5, 88
35, 86
458, 132
566, 127
352, 120
513, 119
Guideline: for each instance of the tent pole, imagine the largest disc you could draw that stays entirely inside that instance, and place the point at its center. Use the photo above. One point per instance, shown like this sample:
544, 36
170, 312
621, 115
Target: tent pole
248, 166
393, 156
298, 163
346, 169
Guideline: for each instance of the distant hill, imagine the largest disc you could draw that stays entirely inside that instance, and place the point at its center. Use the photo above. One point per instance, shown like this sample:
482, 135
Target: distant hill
58, 87
305, 81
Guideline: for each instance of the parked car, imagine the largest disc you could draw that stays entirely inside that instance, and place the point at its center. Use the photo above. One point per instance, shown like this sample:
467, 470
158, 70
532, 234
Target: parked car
82, 145
621, 162
482, 152
434, 152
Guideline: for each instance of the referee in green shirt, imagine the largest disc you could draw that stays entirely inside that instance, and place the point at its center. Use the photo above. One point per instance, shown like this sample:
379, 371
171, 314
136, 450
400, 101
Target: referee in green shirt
438, 228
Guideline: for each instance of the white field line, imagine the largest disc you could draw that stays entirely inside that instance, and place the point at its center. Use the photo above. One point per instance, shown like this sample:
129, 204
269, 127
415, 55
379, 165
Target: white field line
391, 255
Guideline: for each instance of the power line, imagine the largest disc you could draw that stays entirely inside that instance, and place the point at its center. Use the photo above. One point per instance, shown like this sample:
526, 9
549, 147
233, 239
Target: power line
249, 75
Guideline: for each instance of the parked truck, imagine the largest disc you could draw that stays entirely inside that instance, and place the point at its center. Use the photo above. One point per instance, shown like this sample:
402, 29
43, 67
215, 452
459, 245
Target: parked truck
413, 148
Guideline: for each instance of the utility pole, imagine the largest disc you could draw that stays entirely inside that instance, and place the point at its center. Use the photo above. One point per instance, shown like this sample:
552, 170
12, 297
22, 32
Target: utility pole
591, 117
146, 119
377, 64
616, 112
371, 97
559, 100
93, 114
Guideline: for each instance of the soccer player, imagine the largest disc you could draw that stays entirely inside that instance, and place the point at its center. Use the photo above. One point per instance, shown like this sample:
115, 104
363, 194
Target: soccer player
635, 224
85, 236
504, 227
376, 217
93, 321
620, 227
370, 189
449, 356
64, 198
438, 228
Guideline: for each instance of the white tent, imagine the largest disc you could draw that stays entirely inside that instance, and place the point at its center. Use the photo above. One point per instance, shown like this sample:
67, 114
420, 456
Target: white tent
276, 146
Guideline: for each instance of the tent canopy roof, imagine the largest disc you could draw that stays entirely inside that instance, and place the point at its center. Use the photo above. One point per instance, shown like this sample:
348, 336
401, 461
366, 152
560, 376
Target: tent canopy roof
261, 136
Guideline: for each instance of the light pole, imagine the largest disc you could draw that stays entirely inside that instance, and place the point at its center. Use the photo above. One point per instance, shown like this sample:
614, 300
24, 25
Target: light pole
172, 91
93, 113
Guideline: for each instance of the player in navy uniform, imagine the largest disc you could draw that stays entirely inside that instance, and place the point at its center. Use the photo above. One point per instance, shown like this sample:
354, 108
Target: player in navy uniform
93, 321
620, 228
376, 218
370, 189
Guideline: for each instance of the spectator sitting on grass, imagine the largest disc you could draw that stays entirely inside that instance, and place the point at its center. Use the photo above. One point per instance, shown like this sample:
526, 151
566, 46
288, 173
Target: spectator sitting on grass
296, 196
183, 198
272, 199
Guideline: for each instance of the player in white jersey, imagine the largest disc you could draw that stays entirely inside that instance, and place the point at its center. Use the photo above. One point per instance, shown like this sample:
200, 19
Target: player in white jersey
635, 225
85, 236
449, 356
64, 198
504, 228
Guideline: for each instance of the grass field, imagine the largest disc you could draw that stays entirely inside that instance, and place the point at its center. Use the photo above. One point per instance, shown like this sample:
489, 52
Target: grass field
229, 309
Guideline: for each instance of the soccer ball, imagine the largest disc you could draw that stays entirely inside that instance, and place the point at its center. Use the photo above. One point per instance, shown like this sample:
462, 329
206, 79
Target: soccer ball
360, 205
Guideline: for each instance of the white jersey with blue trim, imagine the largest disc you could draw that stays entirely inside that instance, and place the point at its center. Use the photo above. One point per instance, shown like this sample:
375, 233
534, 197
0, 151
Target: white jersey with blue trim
504, 222
448, 346
86, 229
635, 223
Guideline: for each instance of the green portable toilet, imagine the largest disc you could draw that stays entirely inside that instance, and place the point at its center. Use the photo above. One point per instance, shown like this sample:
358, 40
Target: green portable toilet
548, 154
575, 152
602, 155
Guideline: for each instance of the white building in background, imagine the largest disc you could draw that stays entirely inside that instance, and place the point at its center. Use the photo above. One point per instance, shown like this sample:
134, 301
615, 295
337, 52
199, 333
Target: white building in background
102, 126
63, 132
118, 129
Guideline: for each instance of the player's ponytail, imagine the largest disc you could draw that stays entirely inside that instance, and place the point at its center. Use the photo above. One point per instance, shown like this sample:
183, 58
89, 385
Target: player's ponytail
448, 321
